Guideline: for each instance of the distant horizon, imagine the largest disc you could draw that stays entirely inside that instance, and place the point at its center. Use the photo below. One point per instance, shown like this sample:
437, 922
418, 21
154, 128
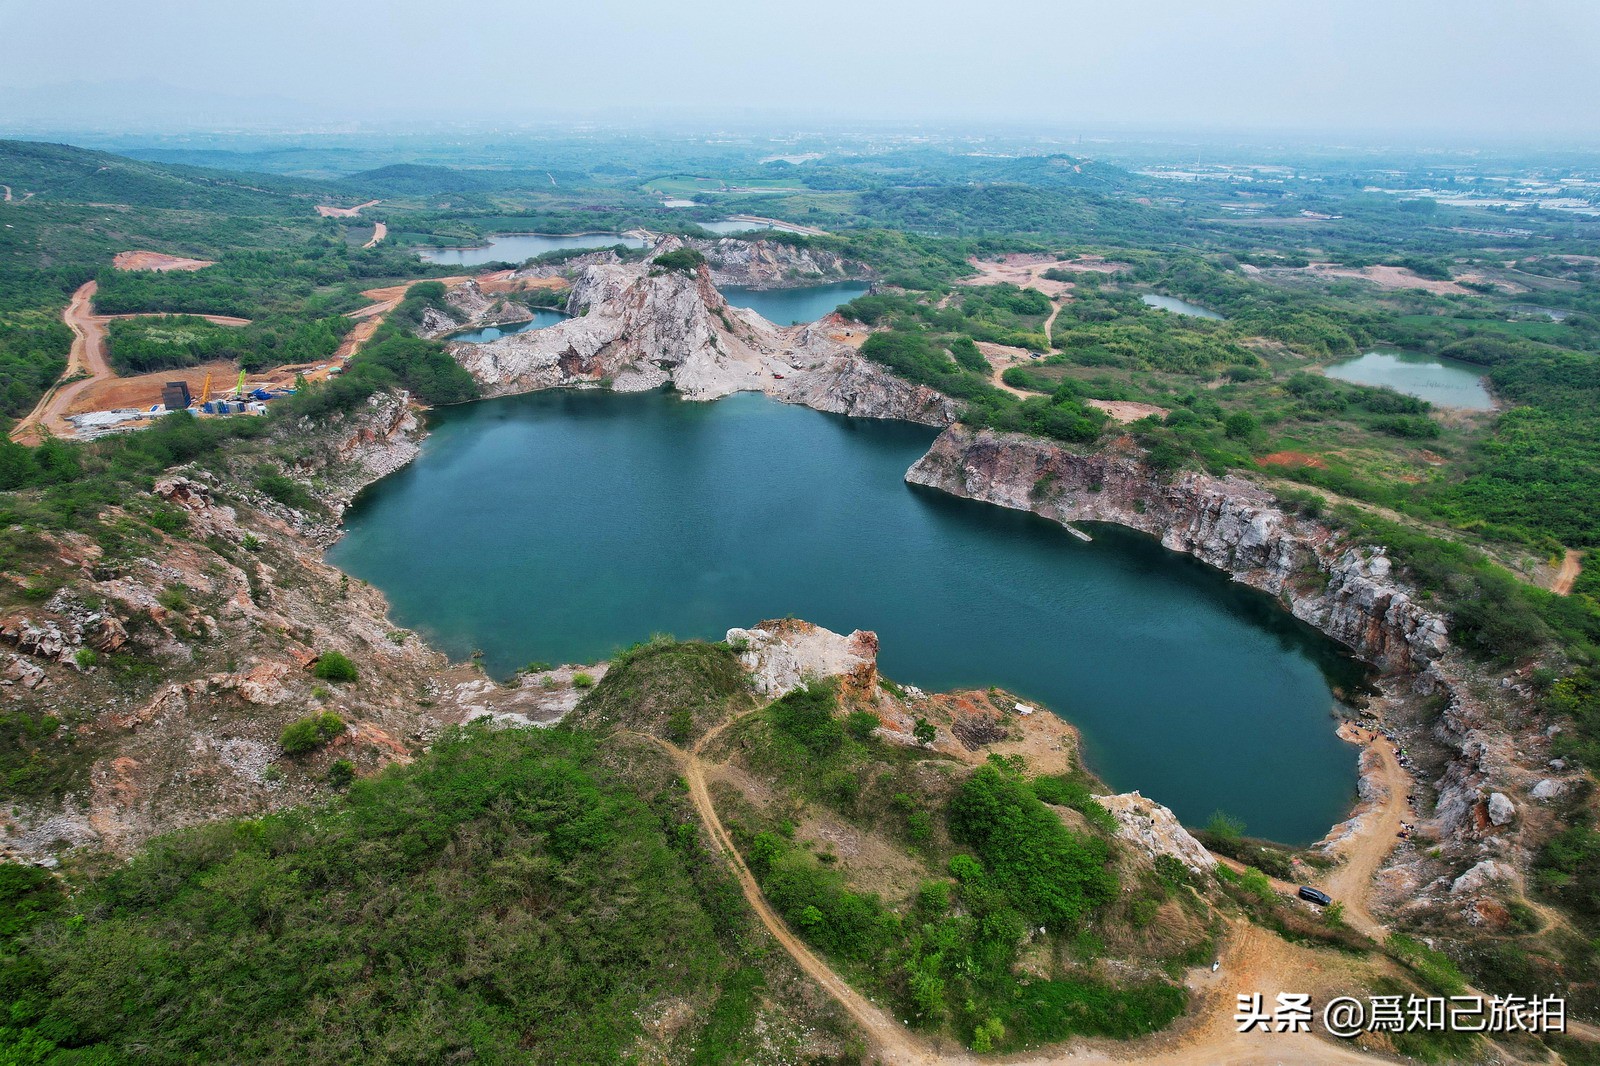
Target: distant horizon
1424, 73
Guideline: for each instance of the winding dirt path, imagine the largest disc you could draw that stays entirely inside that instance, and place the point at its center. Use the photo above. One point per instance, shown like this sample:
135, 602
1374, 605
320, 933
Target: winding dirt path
1567, 576
1253, 960
87, 356
379, 232
86, 362
7, 188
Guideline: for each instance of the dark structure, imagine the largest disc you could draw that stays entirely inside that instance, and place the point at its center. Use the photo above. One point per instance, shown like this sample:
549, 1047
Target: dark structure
175, 396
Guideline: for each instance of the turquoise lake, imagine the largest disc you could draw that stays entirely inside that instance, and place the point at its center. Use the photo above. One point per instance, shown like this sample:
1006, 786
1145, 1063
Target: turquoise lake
790, 307
1439, 380
540, 320
562, 525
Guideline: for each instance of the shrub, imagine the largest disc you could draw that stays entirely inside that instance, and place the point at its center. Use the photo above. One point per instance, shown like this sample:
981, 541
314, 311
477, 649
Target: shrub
334, 666
173, 599
581, 680
311, 732
341, 773
860, 724
806, 715
683, 260
1047, 872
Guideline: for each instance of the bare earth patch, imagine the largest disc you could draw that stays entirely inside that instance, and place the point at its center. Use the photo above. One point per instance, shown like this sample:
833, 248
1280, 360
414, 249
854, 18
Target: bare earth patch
1290, 459
1021, 270
1388, 277
345, 212
157, 261
1125, 411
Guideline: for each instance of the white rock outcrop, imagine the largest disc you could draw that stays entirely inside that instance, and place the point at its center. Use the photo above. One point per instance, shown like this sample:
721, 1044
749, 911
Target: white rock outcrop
638, 327
1154, 830
784, 654
1486, 873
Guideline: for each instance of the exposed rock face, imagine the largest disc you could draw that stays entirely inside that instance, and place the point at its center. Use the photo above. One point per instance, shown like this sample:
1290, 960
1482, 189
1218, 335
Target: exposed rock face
637, 327
1501, 809
1347, 592
782, 655
1154, 830
768, 264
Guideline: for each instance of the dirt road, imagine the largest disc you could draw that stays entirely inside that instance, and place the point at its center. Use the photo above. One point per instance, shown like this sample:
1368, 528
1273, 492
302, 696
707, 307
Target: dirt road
1567, 576
7, 188
379, 232
1003, 357
87, 356
86, 362
345, 212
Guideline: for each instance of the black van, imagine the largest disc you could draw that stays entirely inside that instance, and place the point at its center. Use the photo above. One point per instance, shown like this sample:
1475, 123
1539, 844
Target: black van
1311, 895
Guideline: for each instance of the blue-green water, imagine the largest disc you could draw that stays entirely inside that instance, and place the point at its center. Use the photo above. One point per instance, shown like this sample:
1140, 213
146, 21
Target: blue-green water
790, 307
1437, 379
562, 525
1179, 307
540, 320
520, 247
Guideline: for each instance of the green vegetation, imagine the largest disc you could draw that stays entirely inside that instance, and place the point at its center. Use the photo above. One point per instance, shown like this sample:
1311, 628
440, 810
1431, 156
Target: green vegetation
945, 957
138, 345
334, 666
1050, 875
680, 260
668, 689
347, 932
310, 733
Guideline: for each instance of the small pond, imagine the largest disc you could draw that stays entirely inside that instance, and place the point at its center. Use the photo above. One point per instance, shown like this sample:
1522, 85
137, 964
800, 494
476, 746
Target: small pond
1441, 381
1180, 307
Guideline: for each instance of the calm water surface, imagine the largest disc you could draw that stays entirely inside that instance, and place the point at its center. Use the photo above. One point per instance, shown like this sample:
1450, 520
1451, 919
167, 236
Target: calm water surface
1180, 307
540, 320
790, 307
1441, 381
562, 525
518, 247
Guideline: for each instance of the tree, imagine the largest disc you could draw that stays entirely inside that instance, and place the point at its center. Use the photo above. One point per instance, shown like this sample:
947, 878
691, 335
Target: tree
1240, 425
924, 731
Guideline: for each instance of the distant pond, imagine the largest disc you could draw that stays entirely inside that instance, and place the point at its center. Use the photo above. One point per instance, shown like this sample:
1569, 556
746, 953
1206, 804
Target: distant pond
1180, 307
1441, 381
520, 247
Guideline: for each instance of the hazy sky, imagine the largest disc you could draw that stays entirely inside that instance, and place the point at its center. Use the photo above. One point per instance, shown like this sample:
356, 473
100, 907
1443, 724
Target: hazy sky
1494, 68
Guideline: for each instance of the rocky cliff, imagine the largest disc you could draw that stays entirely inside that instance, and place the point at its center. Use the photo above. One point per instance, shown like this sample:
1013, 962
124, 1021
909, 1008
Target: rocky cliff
638, 327
768, 264
1347, 591
158, 675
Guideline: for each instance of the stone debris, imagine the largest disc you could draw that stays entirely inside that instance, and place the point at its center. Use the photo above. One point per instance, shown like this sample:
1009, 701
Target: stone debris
1501, 809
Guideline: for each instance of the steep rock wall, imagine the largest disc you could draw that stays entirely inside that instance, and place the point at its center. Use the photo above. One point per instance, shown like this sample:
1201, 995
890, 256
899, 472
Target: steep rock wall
1346, 591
